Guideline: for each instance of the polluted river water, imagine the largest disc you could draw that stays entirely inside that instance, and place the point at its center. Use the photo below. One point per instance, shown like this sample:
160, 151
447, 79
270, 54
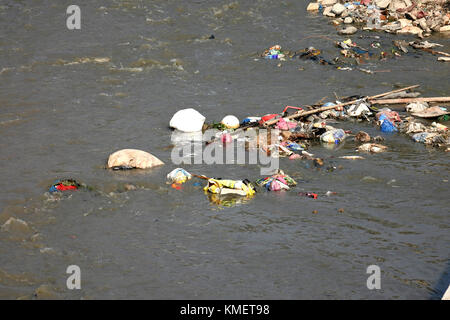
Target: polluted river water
70, 98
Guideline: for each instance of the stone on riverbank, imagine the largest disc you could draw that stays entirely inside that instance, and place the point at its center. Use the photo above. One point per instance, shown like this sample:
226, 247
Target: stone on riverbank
313, 6
328, 13
348, 30
338, 9
382, 4
327, 3
411, 30
131, 158
17, 226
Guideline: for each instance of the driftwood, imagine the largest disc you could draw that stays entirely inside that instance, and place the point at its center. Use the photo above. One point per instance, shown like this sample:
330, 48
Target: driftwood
309, 112
436, 52
200, 176
410, 100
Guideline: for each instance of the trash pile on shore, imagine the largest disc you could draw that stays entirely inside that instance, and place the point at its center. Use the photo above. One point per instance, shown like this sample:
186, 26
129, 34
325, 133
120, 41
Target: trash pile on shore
417, 17
295, 131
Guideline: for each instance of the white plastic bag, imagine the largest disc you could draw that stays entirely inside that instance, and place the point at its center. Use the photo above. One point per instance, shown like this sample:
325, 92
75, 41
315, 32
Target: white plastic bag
187, 120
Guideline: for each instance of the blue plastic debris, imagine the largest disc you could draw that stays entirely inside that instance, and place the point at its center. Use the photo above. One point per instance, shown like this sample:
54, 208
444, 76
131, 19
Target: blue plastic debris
293, 146
387, 125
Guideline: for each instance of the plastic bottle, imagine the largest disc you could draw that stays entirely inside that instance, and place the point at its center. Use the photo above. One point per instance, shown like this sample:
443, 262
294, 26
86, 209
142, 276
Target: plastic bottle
333, 136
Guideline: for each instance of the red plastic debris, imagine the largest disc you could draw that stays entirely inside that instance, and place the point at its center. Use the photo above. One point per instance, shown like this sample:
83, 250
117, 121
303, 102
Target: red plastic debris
62, 187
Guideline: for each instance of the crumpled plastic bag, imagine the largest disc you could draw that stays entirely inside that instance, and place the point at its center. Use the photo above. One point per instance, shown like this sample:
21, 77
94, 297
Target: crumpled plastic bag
416, 107
335, 136
424, 137
357, 110
224, 186
393, 116
277, 182
178, 175
282, 124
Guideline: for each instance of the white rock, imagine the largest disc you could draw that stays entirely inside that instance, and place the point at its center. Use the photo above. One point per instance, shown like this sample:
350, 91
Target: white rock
423, 24
327, 12
327, 3
444, 29
410, 30
408, 3
348, 20
446, 295
133, 158
313, 6
382, 4
397, 4
405, 22
338, 9
187, 120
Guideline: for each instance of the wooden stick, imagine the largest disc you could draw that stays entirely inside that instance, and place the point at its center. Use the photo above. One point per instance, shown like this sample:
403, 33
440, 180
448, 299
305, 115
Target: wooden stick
394, 91
307, 113
198, 176
410, 100
436, 52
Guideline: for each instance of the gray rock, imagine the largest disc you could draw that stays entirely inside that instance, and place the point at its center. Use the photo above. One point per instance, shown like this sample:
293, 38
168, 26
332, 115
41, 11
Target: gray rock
348, 30
14, 225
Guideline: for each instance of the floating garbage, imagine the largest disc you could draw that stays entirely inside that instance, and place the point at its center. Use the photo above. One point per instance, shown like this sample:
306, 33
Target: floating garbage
432, 112
268, 117
416, 107
387, 113
372, 147
226, 138
387, 119
414, 127
131, 158
424, 137
282, 124
250, 120
187, 120
274, 52
178, 175
64, 185
308, 194
439, 126
386, 125
293, 146
335, 136
362, 136
224, 187
230, 122
313, 54
352, 157
358, 110
295, 156
277, 182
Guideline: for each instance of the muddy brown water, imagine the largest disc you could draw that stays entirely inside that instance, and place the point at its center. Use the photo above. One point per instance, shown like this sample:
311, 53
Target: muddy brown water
70, 98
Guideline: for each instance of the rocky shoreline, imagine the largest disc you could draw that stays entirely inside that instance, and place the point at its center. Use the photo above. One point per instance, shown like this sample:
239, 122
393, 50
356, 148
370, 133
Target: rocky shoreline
417, 17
